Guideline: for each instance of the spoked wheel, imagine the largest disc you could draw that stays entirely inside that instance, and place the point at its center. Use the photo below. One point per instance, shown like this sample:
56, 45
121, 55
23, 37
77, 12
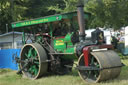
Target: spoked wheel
107, 61
34, 57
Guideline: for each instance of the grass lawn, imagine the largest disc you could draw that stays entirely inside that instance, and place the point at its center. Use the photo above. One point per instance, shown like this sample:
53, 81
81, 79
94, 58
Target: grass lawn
8, 77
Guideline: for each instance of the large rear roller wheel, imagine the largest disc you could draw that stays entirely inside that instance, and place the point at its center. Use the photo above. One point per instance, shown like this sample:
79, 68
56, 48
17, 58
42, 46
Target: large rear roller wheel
109, 63
34, 57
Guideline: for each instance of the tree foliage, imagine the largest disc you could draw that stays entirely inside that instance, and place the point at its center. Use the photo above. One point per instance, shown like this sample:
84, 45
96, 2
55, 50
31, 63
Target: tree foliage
16, 10
69, 6
9, 13
108, 13
105, 13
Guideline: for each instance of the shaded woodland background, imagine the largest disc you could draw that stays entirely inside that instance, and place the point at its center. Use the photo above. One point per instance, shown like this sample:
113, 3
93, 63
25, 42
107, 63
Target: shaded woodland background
105, 13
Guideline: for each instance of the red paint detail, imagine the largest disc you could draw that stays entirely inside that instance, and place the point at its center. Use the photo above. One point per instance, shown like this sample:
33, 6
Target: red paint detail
86, 51
106, 46
60, 37
46, 34
43, 34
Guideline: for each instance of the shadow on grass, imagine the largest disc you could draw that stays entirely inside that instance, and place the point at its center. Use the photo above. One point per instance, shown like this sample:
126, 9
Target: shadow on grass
72, 73
122, 77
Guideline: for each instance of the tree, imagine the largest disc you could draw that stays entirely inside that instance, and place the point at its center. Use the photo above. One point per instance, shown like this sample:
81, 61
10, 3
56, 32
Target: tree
39, 8
22, 10
105, 13
108, 13
6, 14
67, 6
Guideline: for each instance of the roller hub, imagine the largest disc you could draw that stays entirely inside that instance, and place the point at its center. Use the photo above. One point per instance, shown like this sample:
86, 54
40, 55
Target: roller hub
34, 57
108, 62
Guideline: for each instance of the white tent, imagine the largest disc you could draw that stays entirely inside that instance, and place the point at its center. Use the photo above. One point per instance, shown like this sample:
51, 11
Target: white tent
107, 35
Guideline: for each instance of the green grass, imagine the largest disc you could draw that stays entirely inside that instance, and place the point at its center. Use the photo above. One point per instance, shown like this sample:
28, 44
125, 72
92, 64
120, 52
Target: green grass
8, 77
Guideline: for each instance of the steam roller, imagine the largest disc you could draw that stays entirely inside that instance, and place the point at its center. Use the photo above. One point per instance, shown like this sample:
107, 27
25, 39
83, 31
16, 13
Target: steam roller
33, 56
53, 52
103, 65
